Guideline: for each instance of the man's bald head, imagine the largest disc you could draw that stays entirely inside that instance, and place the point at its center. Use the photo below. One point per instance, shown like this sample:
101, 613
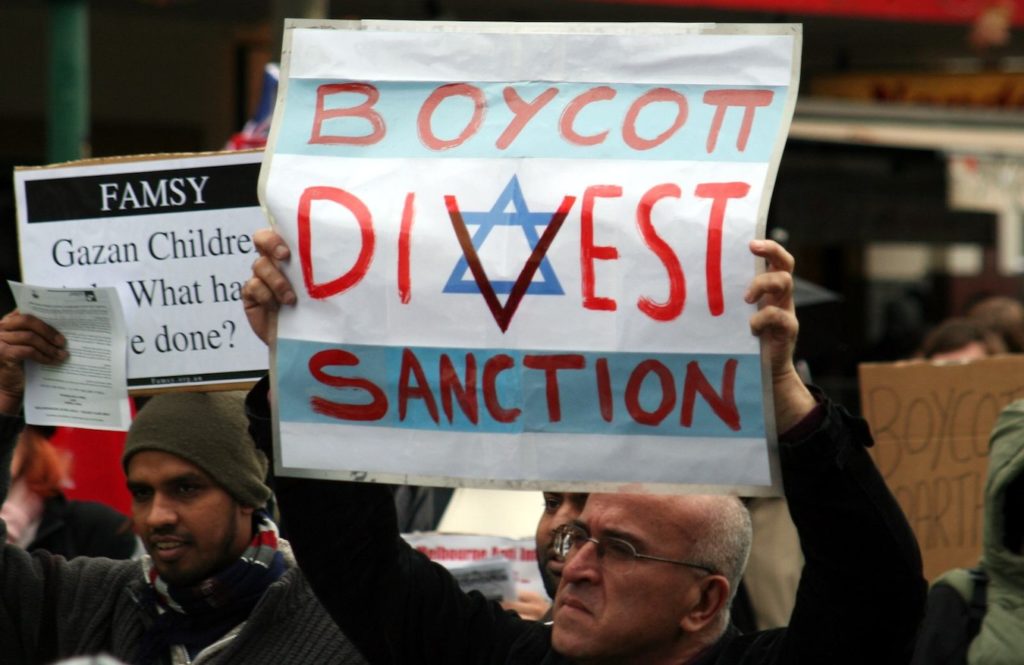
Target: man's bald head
653, 610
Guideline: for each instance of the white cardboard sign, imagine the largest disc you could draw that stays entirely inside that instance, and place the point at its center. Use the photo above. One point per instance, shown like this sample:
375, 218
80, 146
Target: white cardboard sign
521, 251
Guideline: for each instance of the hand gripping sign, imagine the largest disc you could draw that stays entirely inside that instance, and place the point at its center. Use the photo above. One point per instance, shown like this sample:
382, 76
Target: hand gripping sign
521, 251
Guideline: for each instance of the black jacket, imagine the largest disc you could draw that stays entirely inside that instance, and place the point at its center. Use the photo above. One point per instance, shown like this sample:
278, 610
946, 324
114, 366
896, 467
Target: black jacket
859, 601
83, 528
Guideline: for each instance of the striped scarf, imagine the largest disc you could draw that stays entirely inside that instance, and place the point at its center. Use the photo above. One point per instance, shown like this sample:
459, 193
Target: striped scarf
197, 616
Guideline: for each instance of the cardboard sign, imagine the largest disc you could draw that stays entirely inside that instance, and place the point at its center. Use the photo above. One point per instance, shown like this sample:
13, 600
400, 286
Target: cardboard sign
174, 235
521, 251
931, 425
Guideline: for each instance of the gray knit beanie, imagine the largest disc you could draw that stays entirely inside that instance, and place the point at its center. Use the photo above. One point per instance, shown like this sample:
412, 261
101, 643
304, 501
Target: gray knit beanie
209, 430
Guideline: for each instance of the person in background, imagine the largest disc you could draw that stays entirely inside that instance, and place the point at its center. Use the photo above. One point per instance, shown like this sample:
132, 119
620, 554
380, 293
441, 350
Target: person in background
559, 508
976, 616
960, 340
39, 516
1004, 316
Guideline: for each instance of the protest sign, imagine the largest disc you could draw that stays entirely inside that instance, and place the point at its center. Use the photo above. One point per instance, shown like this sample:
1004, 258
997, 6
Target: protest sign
931, 426
521, 251
173, 234
476, 554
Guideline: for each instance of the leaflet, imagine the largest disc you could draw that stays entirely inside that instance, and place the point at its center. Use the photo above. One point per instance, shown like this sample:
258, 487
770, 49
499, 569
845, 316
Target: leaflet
89, 389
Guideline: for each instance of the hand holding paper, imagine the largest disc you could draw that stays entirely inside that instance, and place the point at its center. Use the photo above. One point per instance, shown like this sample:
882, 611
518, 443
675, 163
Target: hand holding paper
89, 389
23, 336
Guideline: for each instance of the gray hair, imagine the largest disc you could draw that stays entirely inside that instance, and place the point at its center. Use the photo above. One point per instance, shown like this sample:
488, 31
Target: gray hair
724, 541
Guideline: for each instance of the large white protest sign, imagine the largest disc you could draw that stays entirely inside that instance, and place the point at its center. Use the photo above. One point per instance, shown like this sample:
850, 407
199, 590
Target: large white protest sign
521, 251
174, 235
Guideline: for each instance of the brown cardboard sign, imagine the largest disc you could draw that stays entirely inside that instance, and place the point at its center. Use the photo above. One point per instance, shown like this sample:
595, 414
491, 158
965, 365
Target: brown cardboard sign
931, 426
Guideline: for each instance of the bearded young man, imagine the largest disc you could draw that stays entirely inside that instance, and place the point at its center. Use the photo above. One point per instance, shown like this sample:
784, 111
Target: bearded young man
217, 585
646, 579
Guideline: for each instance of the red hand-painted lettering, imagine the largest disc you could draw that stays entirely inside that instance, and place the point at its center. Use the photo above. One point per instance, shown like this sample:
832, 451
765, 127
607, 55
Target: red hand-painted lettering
629, 133
378, 405
411, 369
723, 404
589, 252
423, 120
668, 393
573, 108
523, 113
719, 193
673, 306
749, 100
358, 270
550, 364
463, 391
364, 110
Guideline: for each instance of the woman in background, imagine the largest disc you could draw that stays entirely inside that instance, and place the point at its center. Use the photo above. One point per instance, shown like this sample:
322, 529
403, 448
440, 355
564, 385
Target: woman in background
39, 516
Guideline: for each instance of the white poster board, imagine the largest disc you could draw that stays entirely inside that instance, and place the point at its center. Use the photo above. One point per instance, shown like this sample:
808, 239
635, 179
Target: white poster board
174, 235
521, 251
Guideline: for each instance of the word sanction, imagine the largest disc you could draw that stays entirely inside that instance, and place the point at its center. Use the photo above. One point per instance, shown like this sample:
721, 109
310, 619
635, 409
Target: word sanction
504, 390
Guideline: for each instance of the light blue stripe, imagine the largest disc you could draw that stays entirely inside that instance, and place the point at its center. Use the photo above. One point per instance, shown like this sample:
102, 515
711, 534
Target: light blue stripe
400, 102
522, 388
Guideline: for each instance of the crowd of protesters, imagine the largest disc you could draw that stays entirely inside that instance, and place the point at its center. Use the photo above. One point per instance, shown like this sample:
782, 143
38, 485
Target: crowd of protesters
631, 578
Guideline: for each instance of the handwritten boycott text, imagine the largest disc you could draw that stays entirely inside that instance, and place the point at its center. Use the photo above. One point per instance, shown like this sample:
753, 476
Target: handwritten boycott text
358, 102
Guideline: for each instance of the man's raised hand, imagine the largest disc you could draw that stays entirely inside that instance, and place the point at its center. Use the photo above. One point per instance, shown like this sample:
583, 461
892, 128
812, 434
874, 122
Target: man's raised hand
268, 288
24, 337
776, 324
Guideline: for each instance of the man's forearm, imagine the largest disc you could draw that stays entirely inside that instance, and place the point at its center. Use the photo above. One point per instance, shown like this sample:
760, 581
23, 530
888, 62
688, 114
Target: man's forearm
793, 401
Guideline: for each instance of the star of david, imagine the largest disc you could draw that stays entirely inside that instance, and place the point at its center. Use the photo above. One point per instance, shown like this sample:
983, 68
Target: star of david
509, 210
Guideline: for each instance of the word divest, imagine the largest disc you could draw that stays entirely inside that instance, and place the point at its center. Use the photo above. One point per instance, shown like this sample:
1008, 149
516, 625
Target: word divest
521, 251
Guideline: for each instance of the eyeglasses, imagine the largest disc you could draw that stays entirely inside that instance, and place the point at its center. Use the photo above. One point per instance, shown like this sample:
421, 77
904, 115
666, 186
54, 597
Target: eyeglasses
614, 553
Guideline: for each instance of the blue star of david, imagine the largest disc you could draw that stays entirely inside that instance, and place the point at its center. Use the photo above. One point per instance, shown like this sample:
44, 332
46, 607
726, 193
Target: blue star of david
500, 215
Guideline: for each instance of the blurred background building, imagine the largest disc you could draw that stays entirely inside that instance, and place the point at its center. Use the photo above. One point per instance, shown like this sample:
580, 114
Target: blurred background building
900, 188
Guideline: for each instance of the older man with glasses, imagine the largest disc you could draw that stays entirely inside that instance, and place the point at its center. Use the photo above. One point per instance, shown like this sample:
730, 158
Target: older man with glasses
657, 583
646, 579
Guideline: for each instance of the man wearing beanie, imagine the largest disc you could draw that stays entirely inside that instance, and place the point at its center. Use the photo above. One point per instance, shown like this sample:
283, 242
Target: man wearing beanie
217, 584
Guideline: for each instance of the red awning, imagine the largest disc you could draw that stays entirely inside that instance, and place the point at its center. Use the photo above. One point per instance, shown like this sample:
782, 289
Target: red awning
940, 11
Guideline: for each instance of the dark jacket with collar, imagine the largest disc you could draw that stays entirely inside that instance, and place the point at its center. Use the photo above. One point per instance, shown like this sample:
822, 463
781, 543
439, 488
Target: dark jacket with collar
860, 597
52, 608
